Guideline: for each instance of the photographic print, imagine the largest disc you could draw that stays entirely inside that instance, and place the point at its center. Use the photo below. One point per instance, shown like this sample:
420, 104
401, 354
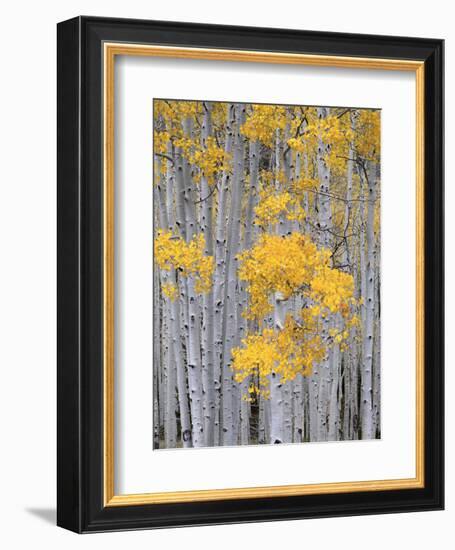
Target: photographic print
267, 286
247, 266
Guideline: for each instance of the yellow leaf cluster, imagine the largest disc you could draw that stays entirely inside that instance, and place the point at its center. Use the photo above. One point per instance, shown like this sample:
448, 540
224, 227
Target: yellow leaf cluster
292, 266
368, 134
219, 113
170, 290
335, 133
172, 252
211, 160
306, 184
272, 206
175, 111
263, 122
284, 353
332, 129
171, 115
186, 145
332, 288
268, 177
302, 144
287, 265
160, 141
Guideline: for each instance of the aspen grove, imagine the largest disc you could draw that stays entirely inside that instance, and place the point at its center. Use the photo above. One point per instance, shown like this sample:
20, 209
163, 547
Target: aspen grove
266, 274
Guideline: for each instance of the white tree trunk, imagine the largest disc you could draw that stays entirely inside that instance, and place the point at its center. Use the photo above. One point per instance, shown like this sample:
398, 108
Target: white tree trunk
367, 370
208, 298
299, 409
229, 314
334, 418
377, 350
185, 419
276, 387
324, 225
156, 359
219, 275
194, 362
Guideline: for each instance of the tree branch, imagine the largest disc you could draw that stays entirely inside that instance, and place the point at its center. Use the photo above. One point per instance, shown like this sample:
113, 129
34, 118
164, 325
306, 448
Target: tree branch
167, 157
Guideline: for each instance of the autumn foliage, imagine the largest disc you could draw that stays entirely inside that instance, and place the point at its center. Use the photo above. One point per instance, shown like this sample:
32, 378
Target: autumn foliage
266, 244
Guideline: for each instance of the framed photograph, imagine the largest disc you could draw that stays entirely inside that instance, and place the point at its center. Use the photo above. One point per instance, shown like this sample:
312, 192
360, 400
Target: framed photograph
250, 274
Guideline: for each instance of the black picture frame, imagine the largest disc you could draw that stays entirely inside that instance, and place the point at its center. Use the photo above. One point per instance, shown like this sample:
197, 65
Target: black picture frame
80, 476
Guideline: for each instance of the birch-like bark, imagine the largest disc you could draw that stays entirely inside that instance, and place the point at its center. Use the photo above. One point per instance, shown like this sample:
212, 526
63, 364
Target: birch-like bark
276, 387
301, 398
377, 348
167, 222
156, 359
194, 365
337, 386
183, 299
184, 408
298, 410
262, 420
178, 377
277, 391
208, 298
167, 403
287, 229
324, 225
170, 425
194, 362
250, 228
367, 367
219, 275
180, 194
350, 413
248, 237
334, 419
350, 355
229, 316
354, 420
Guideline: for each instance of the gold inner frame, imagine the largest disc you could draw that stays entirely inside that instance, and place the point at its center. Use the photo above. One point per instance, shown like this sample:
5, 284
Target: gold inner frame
110, 51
